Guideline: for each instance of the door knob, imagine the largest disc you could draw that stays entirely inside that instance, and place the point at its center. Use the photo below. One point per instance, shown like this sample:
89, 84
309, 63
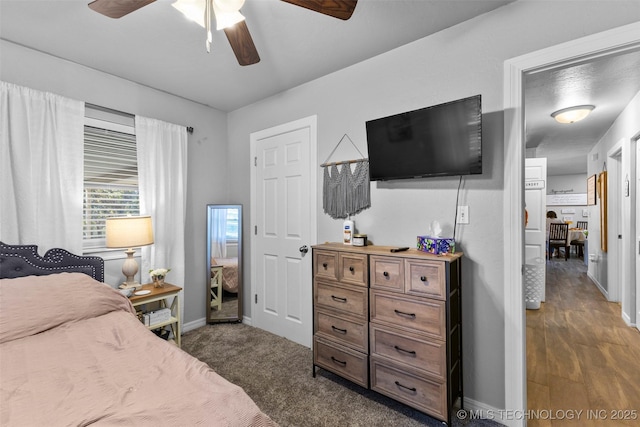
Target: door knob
303, 249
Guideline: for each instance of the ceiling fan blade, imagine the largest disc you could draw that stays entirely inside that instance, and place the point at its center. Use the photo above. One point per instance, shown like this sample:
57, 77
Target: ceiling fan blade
117, 8
242, 44
341, 9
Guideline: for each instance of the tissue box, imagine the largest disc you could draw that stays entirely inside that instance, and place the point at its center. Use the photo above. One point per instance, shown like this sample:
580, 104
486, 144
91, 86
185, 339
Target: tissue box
436, 245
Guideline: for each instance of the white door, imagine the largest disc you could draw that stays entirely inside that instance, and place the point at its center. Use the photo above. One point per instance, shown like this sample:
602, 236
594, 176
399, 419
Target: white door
283, 212
535, 199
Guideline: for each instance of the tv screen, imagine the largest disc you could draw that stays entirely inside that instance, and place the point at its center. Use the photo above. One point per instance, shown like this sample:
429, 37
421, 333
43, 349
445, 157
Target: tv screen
441, 140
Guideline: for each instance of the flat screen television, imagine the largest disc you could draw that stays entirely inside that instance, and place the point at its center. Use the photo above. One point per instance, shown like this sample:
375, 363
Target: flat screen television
442, 140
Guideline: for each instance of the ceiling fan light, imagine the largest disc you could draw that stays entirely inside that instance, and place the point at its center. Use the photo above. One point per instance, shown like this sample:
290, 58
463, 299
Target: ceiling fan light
227, 19
228, 5
572, 114
226, 14
192, 9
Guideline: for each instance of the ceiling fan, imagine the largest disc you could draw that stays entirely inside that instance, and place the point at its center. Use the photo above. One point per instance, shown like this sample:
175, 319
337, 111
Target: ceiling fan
228, 17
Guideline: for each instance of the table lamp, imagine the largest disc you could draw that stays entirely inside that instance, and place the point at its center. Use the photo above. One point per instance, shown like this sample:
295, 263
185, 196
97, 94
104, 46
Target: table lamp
129, 232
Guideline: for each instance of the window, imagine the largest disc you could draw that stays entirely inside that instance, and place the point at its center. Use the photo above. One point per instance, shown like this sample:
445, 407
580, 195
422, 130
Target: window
110, 178
232, 225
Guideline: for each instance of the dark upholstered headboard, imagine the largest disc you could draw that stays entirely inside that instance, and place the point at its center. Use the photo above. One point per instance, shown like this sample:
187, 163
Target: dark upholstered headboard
23, 260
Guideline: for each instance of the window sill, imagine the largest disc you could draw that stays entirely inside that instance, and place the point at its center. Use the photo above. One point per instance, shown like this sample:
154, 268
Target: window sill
109, 254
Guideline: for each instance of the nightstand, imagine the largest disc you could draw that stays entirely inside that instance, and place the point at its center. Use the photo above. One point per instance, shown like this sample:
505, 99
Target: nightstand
161, 295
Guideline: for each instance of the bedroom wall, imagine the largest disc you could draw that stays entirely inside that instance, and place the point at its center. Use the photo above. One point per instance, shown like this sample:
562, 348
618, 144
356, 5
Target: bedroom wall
207, 148
461, 61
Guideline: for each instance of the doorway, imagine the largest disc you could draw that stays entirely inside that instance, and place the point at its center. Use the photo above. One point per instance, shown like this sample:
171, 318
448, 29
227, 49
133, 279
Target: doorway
616, 267
283, 222
616, 40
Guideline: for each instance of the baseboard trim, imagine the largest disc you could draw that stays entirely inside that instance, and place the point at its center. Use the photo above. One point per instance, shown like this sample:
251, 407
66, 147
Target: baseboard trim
627, 319
195, 324
602, 290
478, 410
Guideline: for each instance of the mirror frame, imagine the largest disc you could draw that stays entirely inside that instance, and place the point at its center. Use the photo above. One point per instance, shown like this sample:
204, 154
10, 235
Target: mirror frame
238, 317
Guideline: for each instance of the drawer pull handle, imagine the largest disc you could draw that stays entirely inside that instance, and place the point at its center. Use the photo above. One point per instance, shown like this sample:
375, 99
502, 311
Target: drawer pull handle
385, 274
400, 313
325, 265
340, 362
412, 389
351, 269
424, 279
335, 298
411, 352
342, 331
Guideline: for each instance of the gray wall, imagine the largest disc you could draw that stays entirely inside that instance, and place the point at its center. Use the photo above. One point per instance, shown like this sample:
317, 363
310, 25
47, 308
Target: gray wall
207, 152
455, 63
577, 183
625, 129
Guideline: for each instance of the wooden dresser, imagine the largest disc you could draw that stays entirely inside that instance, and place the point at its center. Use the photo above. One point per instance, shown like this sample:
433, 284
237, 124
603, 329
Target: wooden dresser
390, 321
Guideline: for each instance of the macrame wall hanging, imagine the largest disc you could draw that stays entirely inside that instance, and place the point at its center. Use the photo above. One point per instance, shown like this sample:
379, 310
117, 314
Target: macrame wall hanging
345, 192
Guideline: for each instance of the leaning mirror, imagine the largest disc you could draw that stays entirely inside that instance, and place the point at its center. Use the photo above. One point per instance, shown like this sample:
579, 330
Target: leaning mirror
224, 263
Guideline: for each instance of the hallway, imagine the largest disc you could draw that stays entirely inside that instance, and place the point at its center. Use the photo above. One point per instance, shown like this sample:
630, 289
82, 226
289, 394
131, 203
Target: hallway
581, 356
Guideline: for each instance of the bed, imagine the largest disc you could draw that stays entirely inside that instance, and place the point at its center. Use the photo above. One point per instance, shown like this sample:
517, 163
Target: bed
229, 273
73, 352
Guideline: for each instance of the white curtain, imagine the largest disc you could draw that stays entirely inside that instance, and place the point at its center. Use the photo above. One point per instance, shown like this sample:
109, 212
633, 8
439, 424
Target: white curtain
219, 234
41, 168
162, 181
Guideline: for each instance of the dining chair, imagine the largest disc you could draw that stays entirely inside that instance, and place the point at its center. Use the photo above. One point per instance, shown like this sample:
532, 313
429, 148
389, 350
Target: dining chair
559, 238
579, 244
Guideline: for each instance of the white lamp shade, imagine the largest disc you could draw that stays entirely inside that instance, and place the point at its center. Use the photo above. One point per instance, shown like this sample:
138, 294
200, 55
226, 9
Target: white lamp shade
129, 231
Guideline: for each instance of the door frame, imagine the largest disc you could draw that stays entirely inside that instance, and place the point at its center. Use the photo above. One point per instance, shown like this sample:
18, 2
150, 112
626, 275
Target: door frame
615, 259
310, 122
618, 39
634, 246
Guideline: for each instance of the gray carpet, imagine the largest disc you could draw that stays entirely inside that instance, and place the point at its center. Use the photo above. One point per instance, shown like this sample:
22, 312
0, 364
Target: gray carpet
277, 374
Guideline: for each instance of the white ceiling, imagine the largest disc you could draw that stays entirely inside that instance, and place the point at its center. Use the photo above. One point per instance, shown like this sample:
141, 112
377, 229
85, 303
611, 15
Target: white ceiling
608, 82
157, 47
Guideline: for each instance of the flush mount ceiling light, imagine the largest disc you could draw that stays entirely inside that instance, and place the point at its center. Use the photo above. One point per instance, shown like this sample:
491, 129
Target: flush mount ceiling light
572, 114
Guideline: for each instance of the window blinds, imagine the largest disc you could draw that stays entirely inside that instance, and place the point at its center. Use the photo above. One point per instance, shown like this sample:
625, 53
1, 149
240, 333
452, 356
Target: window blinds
110, 180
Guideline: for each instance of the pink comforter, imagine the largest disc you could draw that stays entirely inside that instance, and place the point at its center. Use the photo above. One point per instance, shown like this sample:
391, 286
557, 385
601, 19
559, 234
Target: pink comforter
229, 273
106, 369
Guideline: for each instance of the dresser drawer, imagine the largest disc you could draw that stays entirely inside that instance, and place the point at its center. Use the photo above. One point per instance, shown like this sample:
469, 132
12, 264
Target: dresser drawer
347, 331
406, 386
403, 347
422, 315
387, 273
348, 299
426, 278
325, 264
343, 361
353, 269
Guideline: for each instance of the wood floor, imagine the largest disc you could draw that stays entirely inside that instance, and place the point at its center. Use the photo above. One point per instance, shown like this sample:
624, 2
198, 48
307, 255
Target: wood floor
583, 361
